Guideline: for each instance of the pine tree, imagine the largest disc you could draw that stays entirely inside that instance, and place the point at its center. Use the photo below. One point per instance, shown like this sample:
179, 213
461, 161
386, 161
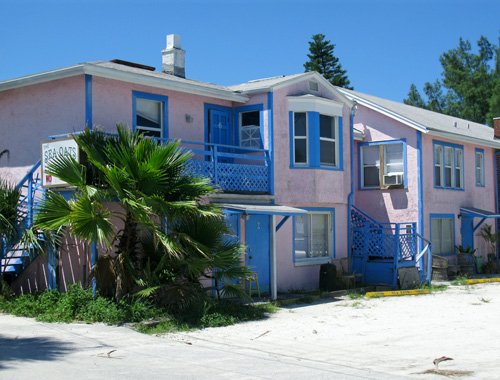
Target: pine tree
322, 60
414, 98
470, 86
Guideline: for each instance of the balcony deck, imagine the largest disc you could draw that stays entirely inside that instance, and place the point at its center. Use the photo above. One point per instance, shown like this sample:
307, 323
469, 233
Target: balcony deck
232, 169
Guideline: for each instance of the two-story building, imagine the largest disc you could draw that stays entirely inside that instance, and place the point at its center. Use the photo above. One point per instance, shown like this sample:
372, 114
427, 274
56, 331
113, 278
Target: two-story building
290, 155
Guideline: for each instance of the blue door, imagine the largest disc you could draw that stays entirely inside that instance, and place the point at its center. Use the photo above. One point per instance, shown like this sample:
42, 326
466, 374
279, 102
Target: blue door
220, 131
258, 256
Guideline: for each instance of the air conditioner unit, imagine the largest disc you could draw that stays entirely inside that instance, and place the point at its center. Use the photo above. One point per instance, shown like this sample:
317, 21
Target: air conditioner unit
393, 180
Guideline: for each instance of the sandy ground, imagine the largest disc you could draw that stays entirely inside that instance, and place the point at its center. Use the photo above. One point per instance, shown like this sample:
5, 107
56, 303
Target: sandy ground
397, 335
385, 338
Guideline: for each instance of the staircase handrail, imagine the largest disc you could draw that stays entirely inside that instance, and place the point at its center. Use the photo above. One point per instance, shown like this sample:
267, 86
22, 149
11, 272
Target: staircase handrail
28, 175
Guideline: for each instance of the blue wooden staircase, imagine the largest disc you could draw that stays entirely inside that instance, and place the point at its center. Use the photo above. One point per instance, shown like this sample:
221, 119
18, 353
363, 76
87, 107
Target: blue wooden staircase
379, 250
16, 255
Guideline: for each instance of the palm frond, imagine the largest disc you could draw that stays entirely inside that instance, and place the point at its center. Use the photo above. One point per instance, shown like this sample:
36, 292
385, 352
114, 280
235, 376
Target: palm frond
53, 212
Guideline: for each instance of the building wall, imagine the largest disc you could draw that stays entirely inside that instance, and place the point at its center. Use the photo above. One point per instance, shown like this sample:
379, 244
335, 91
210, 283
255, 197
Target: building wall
31, 114
306, 188
446, 201
112, 104
388, 205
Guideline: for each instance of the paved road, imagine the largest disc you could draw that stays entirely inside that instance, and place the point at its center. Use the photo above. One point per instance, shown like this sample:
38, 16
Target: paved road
385, 338
34, 350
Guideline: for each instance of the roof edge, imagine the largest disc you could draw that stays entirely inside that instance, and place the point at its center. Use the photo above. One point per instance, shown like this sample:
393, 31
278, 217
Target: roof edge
388, 113
110, 73
42, 77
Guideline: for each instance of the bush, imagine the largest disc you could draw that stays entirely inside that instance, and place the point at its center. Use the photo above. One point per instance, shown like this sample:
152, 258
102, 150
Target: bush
77, 304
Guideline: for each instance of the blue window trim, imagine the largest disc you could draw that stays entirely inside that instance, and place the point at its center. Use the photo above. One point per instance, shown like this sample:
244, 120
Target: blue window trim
454, 146
313, 145
382, 142
159, 98
218, 107
316, 260
479, 150
443, 216
236, 121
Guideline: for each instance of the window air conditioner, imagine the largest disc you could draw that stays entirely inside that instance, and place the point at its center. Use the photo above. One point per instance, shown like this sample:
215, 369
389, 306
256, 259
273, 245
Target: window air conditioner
393, 179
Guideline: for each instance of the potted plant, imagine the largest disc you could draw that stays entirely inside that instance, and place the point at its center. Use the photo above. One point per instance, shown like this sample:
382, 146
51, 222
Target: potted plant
466, 260
491, 239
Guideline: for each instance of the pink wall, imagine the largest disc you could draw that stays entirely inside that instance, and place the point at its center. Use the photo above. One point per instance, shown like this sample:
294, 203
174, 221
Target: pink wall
30, 114
306, 188
394, 205
444, 201
401, 205
112, 104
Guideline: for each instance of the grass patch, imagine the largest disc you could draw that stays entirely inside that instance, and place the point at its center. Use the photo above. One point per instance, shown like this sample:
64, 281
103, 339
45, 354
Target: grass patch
78, 305
354, 295
434, 288
460, 280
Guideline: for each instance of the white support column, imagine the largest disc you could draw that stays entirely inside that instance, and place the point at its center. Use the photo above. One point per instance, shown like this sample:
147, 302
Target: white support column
274, 271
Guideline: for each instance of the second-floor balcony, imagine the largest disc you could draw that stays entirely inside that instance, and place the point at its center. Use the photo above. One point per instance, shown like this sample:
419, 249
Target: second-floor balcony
232, 169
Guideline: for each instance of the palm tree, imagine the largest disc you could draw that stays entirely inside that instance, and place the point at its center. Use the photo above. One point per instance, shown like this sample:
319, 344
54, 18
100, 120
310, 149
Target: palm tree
150, 183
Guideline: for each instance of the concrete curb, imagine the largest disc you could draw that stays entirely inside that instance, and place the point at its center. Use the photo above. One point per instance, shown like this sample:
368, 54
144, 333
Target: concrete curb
398, 293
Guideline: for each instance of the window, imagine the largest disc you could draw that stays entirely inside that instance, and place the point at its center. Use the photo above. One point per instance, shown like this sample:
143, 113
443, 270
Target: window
315, 126
150, 114
300, 138
327, 155
448, 166
383, 165
442, 234
250, 129
315, 140
313, 237
479, 165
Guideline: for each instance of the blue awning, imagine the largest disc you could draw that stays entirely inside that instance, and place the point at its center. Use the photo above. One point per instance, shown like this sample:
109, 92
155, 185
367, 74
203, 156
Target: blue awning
478, 213
263, 209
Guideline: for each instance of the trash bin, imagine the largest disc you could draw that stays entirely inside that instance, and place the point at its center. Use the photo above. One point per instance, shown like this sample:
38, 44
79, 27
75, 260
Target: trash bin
327, 277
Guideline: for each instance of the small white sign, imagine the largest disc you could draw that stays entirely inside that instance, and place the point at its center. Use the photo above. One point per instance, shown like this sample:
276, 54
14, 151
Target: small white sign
55, 148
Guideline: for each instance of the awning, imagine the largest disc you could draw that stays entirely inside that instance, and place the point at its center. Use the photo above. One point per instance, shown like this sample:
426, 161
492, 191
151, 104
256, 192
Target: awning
263, 209
478, 213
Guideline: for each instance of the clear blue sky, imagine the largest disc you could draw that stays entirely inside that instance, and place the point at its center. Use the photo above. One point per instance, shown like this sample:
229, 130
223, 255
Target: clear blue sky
385, 45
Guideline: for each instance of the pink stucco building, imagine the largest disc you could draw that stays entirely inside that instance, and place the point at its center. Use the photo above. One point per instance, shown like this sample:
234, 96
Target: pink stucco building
291, 155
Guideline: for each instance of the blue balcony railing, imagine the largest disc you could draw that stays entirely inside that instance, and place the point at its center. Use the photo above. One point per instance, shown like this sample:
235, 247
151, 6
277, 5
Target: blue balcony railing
232, 169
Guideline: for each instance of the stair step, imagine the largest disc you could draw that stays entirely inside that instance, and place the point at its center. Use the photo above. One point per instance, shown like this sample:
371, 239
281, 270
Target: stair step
10, 269
12, 261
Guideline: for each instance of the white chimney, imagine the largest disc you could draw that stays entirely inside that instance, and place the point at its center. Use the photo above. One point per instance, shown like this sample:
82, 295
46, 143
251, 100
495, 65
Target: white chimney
173, 57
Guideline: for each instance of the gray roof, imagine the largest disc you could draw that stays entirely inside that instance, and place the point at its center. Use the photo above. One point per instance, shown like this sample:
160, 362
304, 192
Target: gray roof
266, 83
118, 71
156, 74
427, 121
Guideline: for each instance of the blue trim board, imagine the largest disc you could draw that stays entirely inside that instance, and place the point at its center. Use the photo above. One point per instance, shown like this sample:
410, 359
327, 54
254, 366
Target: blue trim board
159, 98
88, 101
382, 142
313, 143
497, 224
479, 150
270, 128
420, 196
443, 216
350, 197
316, 260
454, 146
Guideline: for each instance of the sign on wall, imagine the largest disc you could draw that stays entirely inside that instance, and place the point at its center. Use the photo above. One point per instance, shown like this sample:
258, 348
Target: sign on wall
55, 148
